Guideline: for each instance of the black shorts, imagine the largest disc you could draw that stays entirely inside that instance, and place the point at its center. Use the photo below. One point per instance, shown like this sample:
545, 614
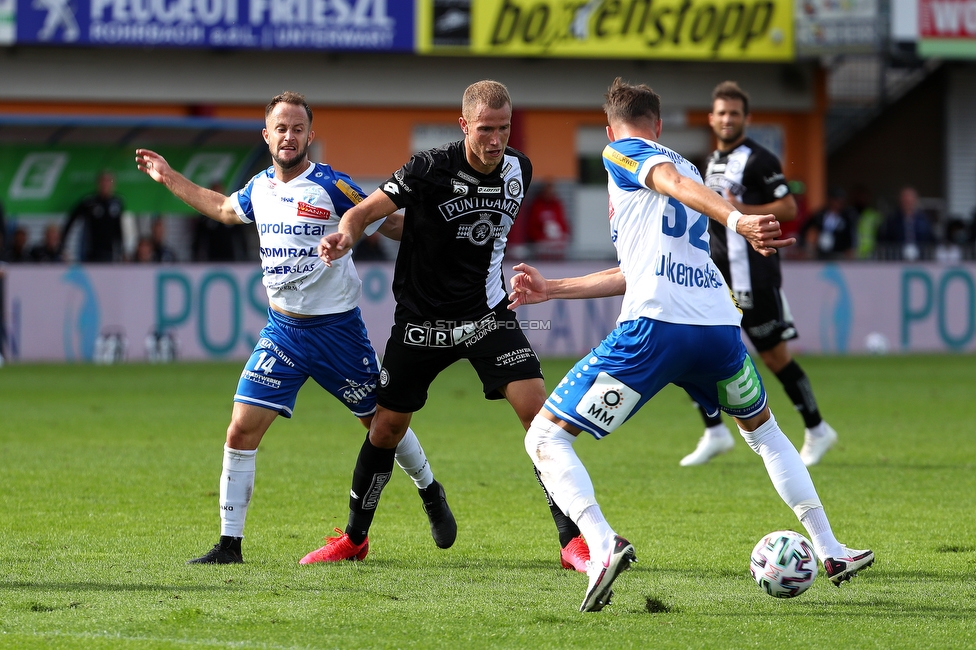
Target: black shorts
766, 318
417, 352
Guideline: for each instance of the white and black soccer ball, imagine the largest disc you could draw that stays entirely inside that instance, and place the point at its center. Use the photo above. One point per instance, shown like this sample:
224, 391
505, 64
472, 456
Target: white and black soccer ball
783, 564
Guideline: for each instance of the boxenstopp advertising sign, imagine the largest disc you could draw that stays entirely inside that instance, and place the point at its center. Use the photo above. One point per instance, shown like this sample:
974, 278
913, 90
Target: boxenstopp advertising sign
375, 25
737, 30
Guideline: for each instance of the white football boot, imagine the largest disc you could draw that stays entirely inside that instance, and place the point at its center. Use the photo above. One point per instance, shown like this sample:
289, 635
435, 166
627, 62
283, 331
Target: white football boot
716, 440
816, 443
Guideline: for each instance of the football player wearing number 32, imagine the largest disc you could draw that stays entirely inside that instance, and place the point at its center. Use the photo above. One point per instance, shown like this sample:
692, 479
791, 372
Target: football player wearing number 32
678, 324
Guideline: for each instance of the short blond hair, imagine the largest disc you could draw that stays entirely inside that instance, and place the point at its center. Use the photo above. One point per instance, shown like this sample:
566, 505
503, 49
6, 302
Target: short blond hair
488, 93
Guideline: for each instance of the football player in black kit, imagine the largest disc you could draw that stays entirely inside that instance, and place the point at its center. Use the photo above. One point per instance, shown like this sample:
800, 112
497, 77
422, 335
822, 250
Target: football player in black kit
751, 178
460, 201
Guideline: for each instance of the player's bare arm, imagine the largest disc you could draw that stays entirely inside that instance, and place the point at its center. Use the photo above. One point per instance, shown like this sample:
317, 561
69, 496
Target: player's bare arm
761, 231
392, 227
204, 200
352, 225
530, 287
783, 209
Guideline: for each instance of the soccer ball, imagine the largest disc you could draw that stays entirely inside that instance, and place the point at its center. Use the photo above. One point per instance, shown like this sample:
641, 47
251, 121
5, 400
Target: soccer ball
876, 343
784, 564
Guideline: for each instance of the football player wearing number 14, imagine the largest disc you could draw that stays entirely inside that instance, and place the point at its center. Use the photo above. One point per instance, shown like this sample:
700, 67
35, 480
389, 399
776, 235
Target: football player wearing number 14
314, 325
678, 324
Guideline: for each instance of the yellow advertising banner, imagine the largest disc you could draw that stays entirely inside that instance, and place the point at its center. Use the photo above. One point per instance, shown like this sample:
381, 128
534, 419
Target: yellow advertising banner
731, 30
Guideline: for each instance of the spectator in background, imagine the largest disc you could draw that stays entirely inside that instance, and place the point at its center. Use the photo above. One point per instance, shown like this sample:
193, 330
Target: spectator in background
144, 251
214, 241
868, 221
161, 252
829, 232
3, 235
100, 215
906, 233
547, 230
50, 249
957, 241
18, 246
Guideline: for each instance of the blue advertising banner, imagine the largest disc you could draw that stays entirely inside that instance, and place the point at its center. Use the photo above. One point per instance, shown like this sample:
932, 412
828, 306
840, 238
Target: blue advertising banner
372, 25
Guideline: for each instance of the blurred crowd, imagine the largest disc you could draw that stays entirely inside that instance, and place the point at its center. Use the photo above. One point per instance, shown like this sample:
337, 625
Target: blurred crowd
99, 230
850, 226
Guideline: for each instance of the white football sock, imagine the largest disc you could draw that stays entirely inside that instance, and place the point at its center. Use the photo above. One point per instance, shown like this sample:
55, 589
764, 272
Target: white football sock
790, 478
236, 486
597, 532
824, 542
551, 449
411, 458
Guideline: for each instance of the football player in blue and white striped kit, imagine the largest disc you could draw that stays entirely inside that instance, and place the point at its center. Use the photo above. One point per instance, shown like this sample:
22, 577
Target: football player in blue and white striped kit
314, 328
678, 324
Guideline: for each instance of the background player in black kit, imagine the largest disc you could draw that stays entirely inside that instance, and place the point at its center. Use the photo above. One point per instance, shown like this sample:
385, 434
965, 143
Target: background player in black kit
460, 201
751, 178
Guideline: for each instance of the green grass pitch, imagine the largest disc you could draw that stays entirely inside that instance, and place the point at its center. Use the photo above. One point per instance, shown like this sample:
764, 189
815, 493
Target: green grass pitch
109, 477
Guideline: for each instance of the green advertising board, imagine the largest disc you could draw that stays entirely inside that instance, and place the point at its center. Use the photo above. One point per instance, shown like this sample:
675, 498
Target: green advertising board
50, 180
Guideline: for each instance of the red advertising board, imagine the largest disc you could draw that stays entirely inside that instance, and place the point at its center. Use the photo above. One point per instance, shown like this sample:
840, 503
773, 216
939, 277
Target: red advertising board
947, 19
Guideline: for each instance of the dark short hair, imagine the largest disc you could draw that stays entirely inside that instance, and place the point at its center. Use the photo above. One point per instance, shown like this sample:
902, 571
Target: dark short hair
629, 103
288, 97
730, 90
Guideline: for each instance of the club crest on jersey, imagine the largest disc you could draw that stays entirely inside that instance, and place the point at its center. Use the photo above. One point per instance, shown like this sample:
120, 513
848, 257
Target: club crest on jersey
459, 187
312, 211
311, 194
514, 188
480, 232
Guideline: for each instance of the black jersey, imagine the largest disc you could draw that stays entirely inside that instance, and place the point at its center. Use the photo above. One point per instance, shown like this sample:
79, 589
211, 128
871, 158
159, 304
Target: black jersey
456, 223
753, 175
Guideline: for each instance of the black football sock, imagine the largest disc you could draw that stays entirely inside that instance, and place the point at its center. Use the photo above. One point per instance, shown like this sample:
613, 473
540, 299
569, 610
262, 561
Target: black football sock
373, 469
564, 525
797, 386
710, 421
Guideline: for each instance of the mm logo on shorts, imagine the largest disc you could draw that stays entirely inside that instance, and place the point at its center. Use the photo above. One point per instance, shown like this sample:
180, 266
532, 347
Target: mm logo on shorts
607, 403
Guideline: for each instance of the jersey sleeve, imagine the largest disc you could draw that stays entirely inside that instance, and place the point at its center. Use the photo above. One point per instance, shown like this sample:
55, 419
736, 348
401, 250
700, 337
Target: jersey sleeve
404, 186
628, 162
345, 194
242, 200
766, 174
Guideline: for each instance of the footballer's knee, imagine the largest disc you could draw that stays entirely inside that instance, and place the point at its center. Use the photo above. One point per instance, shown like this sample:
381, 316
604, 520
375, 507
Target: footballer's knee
542, 430
388, 428
241, 438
